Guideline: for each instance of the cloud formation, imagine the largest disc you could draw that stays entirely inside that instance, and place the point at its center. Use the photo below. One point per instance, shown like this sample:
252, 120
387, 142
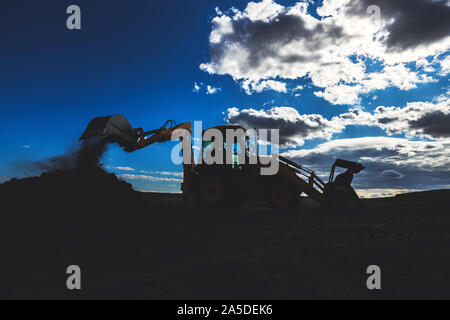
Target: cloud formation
208, 89
382, 193
397, 76
148, 178
445, 66
164, 173
409, 23
391, 163
417, 119
124, 169
211, 89
294, 127
267, 43
392, 174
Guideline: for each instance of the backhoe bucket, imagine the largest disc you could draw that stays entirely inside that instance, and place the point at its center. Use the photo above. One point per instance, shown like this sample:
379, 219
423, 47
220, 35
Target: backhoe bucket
113, 129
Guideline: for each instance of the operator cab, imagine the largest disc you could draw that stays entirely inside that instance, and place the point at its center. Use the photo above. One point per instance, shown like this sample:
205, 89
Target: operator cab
224, 175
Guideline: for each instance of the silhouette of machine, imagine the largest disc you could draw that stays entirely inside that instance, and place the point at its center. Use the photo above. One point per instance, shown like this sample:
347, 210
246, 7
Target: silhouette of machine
223, 185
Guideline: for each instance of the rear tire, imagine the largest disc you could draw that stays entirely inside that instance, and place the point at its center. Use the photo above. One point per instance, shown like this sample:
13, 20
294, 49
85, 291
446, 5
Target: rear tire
342, 198
283, 197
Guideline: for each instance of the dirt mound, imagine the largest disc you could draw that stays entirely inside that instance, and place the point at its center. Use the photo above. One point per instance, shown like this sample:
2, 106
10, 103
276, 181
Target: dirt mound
75, 213
434, 195
75, 203
92, 190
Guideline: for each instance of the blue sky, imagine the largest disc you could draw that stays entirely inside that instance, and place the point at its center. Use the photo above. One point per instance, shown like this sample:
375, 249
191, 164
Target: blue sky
143, 58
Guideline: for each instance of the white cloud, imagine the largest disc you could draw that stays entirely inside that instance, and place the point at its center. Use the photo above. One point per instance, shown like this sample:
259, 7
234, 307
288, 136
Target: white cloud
423, 119
392, 76
270, 42
294, 127
416, 119
445, 65
259, 86
148, 178
395, 151
26, 147
443, 97
422, 63
342, 94
392, 174
198, 87
164, 173
161, 191
420, 164
264, 11
124, 168
268, 103
212, 90
382, 193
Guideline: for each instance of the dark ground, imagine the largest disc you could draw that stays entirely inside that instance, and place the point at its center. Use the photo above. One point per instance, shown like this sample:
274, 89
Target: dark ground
132, 245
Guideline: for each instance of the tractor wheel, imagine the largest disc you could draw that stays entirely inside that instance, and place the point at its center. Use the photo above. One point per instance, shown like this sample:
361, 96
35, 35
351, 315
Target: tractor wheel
211, 194
283, 197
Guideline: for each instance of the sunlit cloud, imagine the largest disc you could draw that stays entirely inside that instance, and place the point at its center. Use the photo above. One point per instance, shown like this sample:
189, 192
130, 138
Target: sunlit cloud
267, 44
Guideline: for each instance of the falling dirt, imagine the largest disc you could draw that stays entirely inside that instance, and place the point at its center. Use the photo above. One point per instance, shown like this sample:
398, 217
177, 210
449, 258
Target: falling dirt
85, 156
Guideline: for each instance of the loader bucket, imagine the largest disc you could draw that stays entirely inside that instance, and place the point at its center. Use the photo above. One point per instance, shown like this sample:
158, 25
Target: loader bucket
113, 129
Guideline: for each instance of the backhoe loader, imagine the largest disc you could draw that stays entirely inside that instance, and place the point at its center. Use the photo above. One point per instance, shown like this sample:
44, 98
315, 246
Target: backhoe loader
226, 185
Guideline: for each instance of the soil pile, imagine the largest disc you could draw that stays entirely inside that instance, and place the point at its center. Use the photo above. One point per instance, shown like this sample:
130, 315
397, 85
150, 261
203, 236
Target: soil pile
75, 201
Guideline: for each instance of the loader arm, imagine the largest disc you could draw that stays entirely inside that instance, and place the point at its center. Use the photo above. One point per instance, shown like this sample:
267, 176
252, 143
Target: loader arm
163, 134
117, 129
184, 131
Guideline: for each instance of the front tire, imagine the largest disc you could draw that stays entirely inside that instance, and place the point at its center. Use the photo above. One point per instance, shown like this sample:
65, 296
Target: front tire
283, 197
